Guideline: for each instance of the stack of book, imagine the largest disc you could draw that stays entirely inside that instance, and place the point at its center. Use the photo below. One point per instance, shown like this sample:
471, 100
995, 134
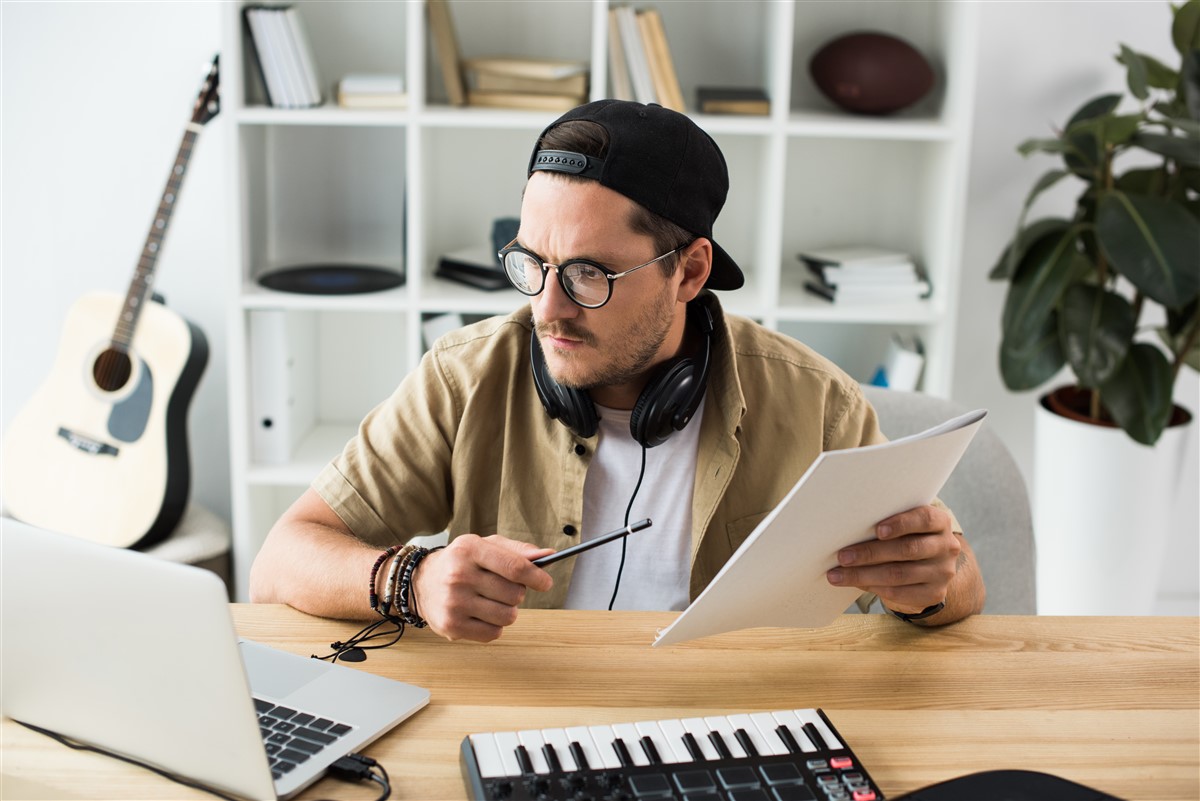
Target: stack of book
284, 56
639, 58
476, 267
865, 275
532, 83
369, 90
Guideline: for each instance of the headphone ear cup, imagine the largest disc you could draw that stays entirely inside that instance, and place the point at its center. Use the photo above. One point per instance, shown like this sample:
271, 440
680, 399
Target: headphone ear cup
572, 406
654, 418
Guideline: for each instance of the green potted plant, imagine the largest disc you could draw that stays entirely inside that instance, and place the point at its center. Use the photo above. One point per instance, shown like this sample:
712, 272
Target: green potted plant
1112, 293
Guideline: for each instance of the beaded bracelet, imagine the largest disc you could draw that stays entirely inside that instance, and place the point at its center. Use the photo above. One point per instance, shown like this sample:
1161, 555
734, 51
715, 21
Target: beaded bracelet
390, 584
408, 598
374, 595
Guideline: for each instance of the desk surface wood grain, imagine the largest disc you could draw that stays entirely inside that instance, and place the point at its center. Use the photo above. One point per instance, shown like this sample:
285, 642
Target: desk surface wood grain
1113, 703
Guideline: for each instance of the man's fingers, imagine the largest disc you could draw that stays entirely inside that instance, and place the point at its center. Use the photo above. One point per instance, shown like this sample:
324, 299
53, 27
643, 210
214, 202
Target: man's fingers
919, 520
911, 548
893, 574
514, 563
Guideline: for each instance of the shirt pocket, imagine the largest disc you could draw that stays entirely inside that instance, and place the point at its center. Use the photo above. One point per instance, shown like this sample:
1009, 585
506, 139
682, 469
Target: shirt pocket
738, 530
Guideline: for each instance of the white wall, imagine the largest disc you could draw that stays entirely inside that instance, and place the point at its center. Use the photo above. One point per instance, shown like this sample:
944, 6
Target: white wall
1038, 63
94, 100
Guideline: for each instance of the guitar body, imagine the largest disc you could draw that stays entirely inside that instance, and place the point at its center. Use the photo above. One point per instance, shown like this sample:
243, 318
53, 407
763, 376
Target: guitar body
105, 456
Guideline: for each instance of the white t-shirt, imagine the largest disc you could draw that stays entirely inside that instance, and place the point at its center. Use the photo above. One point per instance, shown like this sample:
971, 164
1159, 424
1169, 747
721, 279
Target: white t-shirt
658, 559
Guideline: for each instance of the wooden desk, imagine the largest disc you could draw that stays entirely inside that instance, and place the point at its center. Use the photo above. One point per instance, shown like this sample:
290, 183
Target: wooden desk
1113, 703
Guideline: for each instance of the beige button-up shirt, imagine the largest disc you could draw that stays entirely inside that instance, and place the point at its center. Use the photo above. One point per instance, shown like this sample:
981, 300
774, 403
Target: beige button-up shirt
464, 445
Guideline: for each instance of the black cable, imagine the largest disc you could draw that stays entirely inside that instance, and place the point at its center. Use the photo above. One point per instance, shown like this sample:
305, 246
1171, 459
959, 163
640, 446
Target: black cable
625, 540
341, 650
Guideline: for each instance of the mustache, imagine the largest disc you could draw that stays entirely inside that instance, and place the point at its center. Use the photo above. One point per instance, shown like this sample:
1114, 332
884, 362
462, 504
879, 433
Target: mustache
564, 329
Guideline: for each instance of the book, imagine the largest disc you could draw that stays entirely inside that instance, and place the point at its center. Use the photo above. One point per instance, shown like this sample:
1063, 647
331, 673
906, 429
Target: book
310, 78
635, 54
372, 90
658, 56
267, 55
732, 100
544, 69
441, 25
523, 100
477, 267
777, 576
856, 255
618, 67
574, 85
284, 56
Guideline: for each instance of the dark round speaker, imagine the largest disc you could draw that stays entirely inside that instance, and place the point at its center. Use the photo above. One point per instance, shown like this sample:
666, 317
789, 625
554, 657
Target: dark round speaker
331, 279
871, 73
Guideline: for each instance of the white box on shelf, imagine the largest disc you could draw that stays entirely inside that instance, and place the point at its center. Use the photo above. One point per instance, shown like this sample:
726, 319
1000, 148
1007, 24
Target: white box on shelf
282, 383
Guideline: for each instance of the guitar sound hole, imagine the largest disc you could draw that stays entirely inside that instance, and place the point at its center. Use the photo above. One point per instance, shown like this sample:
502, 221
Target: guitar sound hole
112, 369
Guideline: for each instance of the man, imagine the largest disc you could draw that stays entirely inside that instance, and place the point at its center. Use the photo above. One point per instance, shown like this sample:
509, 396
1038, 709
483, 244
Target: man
620, 392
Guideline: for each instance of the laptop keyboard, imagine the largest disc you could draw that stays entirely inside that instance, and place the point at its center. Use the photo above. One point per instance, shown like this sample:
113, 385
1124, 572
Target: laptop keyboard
292, 736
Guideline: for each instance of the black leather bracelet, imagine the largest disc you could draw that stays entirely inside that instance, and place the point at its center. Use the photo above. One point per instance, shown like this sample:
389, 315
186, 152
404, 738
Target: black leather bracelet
928, 611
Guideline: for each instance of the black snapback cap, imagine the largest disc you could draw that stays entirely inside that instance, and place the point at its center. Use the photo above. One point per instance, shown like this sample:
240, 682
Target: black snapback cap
659, 159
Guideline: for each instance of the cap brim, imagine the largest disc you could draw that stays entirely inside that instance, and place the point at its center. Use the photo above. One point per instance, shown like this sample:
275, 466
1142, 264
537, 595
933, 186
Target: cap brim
725, 273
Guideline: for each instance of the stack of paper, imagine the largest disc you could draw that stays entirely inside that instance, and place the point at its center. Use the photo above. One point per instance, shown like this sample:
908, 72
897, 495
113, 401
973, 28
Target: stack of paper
284, 56
862, 274
777, 576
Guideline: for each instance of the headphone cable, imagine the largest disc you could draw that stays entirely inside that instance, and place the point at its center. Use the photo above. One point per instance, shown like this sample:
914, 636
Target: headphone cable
625, 540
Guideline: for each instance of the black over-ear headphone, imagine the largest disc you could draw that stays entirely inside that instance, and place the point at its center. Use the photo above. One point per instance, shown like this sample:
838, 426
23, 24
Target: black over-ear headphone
665, 405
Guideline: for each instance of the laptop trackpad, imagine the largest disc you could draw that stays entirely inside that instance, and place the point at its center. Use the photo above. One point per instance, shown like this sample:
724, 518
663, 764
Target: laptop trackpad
278, 674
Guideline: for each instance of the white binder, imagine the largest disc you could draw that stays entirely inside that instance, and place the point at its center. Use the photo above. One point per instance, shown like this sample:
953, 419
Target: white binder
282, 382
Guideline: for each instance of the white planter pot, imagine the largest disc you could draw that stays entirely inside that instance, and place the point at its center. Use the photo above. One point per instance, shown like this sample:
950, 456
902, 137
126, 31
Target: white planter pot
1102, 515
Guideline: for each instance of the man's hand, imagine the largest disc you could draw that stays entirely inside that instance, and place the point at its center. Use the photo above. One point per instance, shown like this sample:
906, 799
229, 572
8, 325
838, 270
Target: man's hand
471, 589
910, 565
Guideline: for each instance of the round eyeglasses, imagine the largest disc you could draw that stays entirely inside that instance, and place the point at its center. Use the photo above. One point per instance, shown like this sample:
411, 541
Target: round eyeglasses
586, 283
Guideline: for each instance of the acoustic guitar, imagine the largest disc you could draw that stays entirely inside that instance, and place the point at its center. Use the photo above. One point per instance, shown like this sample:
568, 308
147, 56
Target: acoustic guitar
100, 451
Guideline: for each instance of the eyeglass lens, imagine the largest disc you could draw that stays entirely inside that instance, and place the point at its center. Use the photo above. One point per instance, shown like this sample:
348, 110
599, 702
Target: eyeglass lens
585, 283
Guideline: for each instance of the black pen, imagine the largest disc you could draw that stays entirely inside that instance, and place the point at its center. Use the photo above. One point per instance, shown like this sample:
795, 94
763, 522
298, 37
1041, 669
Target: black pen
584, 546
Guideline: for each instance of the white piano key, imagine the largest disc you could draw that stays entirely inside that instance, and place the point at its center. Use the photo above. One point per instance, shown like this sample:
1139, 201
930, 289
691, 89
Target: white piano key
533, 742
811, 716
744, 723
629, 735
766, 725
562, 748
673, 732
603, 737
796, 726
487, 756
721, 724
581, 735
506, 743
700, 730
651, 729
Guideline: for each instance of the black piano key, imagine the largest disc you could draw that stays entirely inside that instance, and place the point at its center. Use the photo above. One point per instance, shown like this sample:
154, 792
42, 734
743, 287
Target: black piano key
718, 743
693, 747
785, 734
552, 758
651, 751
622, 753
745, 742
815, 736
579, 756
523, 759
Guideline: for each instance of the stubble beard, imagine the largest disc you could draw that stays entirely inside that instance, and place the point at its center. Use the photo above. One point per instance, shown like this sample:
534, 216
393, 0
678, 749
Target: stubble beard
624, 359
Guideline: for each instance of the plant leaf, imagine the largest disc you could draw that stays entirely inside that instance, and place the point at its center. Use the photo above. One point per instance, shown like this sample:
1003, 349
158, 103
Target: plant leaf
1185, 29
1097, 329
1083, 154
1120, 129
1034, 362
1153, 242
1191, 358
1096, 107
1158, 74
1049, 267
1142, 181
1044, 145
1138, 395
1190, 128
1182, 149
1006, 267
1189, 79
1180, 322
1136, 73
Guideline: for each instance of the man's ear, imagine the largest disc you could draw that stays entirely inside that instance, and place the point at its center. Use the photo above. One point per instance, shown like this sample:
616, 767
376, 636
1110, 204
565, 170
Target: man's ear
695, 263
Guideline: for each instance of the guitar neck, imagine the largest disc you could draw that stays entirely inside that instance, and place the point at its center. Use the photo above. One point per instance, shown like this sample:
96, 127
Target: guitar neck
143, 276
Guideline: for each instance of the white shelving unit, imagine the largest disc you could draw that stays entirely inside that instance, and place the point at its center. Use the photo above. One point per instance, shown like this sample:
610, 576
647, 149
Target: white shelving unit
398, 188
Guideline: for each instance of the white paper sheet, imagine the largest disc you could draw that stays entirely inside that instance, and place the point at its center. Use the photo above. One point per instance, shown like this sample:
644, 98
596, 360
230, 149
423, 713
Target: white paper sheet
777, 576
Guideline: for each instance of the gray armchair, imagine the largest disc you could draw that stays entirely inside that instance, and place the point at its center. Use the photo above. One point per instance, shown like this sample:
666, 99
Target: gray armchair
986, 492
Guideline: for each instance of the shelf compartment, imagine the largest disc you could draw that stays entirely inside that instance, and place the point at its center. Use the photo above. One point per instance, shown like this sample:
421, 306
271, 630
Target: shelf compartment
320, 195
855, 347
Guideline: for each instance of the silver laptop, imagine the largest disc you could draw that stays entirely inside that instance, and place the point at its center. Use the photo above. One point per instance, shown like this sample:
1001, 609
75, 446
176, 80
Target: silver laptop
139, 656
